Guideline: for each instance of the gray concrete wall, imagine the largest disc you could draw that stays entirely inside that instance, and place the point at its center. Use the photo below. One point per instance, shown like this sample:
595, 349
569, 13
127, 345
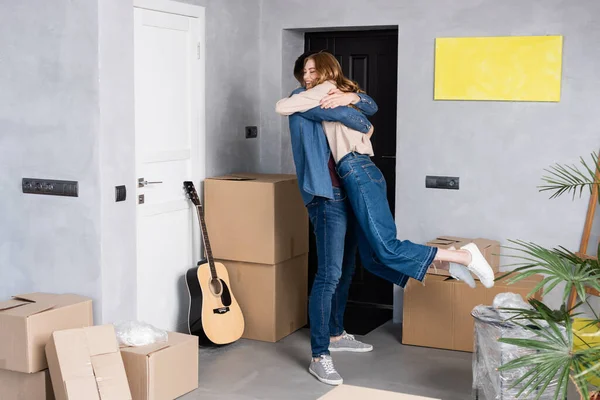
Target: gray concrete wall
49, 129
66, 112
232, 84
498, 149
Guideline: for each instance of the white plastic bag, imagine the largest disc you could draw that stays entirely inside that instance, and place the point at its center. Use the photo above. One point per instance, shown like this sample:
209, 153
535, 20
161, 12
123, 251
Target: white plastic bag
136, 333
510, 300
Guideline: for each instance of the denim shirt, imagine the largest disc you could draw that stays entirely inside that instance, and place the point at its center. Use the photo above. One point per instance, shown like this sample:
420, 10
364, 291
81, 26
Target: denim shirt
309, 144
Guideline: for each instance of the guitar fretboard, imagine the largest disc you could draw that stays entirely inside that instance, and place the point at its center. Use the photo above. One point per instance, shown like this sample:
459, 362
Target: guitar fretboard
209, 255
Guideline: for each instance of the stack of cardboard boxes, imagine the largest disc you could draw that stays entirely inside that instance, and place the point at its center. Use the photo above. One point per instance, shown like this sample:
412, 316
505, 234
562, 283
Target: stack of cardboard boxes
258, 228
50, 349
26, 324
437, 313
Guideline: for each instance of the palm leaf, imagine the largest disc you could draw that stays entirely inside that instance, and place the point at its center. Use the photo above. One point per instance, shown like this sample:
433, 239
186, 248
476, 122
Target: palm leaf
558, 265
570, 179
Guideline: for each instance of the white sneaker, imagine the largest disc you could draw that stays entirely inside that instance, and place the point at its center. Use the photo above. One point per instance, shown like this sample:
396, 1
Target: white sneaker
479, 266
461, 273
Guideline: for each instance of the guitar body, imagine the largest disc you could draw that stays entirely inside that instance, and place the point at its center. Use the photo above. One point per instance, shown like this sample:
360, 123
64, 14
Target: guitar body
215, 316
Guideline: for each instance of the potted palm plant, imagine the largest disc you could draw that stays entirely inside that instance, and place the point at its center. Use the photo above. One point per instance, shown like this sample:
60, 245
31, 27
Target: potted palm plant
557, 358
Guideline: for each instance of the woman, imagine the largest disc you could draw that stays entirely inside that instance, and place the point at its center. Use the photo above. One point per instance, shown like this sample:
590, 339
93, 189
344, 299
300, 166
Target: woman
366, 187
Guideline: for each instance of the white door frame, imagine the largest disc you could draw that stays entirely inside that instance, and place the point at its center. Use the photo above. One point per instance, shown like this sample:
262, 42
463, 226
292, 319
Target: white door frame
173, 7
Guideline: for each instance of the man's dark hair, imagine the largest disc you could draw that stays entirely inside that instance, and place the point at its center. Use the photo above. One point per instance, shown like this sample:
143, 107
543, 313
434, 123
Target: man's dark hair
299, 65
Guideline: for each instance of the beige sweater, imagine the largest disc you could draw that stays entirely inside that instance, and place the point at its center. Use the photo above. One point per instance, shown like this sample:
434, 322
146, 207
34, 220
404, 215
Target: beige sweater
342, 140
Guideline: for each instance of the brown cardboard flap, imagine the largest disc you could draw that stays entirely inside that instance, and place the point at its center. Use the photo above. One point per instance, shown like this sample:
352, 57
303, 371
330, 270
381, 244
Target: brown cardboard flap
7, 305
111, 377
29, 309
146, 350
136, 367
30, 303
72, 351
442, 242
101, 340
452, 238
264, 178
233, 178
447, 241
38, 297
82, 388
176, 338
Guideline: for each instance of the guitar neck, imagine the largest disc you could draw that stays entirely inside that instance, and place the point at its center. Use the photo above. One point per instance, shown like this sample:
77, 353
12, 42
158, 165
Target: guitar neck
209, 255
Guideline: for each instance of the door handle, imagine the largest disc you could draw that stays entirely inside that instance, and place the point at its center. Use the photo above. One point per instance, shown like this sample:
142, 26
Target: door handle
388, 157
142, 182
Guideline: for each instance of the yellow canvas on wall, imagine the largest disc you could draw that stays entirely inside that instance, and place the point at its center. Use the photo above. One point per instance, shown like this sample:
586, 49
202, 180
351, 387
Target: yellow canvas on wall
520, 68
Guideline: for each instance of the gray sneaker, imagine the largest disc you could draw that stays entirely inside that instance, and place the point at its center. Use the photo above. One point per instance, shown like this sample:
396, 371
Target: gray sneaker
324, 371
349, 343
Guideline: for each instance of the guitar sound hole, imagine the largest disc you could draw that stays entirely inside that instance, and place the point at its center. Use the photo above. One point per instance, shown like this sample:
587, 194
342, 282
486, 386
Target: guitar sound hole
216, 287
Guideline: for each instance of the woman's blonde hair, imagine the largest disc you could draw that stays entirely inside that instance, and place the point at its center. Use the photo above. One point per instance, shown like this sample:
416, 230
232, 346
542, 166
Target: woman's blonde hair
329, 69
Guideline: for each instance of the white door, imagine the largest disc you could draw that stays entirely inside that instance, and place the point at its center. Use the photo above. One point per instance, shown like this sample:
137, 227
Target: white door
169, 133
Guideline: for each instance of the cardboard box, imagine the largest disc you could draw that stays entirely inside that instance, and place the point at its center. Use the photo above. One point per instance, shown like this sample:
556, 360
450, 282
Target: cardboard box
489, 248
162, 371
438, 314
256, 218
273, 298
86, 364
23, 386
27, 321
347, 392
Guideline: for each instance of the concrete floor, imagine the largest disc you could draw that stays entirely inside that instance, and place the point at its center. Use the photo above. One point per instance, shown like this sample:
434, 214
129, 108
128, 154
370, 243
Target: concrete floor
249, 370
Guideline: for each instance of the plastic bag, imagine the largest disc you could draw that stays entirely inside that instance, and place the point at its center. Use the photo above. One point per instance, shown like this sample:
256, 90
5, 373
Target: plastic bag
510, 300
136, 333
492, 324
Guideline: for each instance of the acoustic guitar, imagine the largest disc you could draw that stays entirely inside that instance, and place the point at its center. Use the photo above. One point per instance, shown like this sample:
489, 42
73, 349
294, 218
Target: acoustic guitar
214, 314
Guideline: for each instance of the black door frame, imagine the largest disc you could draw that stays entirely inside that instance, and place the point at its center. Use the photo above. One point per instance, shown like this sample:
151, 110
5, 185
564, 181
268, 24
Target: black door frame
366, 33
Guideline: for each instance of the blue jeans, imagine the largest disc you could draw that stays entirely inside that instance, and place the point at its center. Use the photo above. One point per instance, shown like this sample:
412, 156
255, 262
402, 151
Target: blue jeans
367, 193
338, 236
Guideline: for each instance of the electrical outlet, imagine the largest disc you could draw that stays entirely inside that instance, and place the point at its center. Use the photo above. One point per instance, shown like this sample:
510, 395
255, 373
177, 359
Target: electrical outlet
251, 132
120, 193
442, 182
50, 187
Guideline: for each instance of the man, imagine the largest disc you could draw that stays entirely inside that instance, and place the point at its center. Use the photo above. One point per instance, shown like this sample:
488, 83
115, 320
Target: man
336, 231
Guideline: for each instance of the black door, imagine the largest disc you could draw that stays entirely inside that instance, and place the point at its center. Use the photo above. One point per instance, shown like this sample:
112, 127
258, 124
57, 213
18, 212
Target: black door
371, 59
